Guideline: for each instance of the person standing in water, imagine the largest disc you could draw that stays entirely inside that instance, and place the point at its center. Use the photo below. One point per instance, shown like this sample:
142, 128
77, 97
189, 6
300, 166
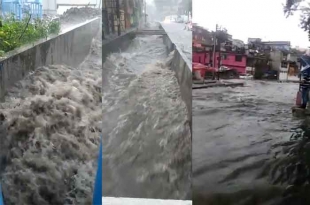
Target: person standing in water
305, 81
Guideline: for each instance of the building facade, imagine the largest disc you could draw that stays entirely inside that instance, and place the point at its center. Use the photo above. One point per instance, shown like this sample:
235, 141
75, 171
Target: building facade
225, 55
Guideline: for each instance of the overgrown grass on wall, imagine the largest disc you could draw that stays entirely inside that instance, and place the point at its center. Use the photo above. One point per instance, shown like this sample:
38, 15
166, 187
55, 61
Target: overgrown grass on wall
15, 33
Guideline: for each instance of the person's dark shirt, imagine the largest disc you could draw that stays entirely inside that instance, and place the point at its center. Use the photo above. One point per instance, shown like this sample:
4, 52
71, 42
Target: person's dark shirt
305, 78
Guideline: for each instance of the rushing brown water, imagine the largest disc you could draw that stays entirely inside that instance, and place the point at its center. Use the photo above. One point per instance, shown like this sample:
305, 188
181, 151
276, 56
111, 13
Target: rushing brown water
50, 129
146, 131
243, 147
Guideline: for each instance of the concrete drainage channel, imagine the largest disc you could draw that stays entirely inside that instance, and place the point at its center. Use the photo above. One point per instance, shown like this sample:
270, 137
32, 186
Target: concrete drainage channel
51, 118
183, 70
146, 120
70, 49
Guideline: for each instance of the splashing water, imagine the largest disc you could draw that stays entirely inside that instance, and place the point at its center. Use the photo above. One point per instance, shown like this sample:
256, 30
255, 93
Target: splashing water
146, 131
238, 137
50, 129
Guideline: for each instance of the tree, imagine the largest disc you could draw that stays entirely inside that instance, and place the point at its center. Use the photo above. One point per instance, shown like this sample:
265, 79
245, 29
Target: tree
296, 5
187, 4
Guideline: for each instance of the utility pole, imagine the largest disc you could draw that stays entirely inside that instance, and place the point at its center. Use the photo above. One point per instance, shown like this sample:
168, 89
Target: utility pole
145, 11
118, 18
214, 47
219, 60
214, 44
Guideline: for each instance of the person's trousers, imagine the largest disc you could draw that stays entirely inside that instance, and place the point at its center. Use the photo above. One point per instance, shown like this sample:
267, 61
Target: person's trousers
304, 97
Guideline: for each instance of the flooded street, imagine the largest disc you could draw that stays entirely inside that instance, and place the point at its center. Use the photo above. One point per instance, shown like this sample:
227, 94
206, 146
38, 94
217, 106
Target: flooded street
146, 132
50, 129
240, 138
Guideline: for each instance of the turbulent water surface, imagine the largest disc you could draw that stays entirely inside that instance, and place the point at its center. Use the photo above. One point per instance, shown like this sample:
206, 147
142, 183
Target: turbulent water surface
239, 136
50, 127
145, 127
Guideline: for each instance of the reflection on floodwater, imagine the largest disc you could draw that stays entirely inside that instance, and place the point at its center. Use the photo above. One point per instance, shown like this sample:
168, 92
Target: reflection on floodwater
256, 152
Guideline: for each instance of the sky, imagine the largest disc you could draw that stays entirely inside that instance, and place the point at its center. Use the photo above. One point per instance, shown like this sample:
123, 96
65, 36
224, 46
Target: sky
251, 19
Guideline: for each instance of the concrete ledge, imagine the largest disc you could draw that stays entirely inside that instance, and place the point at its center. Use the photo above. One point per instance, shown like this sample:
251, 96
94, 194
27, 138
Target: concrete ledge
117, 43
70, 48
211, 85
140, 201
112, 45
288, 81
183, 70
299, 112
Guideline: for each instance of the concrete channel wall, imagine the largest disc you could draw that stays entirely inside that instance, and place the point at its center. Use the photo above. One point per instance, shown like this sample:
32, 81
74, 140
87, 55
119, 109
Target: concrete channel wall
70, 47
182, 67
112, 45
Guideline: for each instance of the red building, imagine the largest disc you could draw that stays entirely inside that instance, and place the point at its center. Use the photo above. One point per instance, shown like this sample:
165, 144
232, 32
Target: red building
230, 60
203, 51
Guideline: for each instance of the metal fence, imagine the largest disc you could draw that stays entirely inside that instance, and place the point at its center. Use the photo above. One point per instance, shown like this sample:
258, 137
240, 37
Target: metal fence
19, 8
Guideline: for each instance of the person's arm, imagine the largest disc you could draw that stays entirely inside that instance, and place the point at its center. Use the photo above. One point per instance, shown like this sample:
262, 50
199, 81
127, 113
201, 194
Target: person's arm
305, 79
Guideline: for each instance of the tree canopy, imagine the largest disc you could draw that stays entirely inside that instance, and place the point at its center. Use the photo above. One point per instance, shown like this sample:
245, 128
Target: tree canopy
188, 5
297, 5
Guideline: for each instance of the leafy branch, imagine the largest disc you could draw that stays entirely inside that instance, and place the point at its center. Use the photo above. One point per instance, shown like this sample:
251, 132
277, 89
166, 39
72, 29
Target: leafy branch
15, 33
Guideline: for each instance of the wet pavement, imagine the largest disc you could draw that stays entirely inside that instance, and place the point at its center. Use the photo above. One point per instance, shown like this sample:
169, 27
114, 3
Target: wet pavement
238, 135
180, 36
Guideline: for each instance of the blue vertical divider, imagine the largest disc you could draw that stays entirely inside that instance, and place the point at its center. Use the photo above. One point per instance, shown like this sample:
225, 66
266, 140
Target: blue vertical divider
1, 196
97, 196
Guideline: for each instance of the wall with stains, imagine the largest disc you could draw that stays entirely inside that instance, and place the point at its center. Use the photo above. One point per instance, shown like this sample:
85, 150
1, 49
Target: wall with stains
183, 70
69, 48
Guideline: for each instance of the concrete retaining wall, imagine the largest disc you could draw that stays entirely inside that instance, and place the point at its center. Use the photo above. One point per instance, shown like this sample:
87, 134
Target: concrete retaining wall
182, 67
69, 48
112, 45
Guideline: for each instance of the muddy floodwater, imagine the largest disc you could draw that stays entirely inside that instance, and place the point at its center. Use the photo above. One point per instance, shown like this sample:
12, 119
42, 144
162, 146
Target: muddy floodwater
147, 140
242, 143
50, 131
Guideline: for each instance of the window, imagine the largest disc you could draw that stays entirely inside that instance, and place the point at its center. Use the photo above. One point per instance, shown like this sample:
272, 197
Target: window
238, 58
224, 57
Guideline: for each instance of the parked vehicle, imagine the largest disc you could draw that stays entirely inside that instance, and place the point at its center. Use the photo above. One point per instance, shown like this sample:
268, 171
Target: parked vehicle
246, 76
271, 75
179, 19
170, 19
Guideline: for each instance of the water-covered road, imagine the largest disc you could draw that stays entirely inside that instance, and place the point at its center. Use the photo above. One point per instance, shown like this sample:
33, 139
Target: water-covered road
49, 132
239, 135
145, 127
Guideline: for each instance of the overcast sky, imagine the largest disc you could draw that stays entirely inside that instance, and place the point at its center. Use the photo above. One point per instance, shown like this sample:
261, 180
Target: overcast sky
251, 18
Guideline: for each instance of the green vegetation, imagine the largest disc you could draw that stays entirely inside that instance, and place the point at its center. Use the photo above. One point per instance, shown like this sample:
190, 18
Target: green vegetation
302, 6
15, 33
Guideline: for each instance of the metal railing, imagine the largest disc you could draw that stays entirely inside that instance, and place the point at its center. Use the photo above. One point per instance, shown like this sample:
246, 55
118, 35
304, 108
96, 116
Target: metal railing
20, 8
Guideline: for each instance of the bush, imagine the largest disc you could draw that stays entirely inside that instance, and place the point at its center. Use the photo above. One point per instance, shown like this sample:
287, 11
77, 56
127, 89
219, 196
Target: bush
15, 33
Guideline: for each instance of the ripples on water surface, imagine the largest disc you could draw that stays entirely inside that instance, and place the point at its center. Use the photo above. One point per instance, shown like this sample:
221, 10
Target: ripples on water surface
242, 144
146, 131
50, 129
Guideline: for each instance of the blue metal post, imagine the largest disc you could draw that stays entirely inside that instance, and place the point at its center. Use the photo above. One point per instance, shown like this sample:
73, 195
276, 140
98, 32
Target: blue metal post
97, 196
40, 10
1, 196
